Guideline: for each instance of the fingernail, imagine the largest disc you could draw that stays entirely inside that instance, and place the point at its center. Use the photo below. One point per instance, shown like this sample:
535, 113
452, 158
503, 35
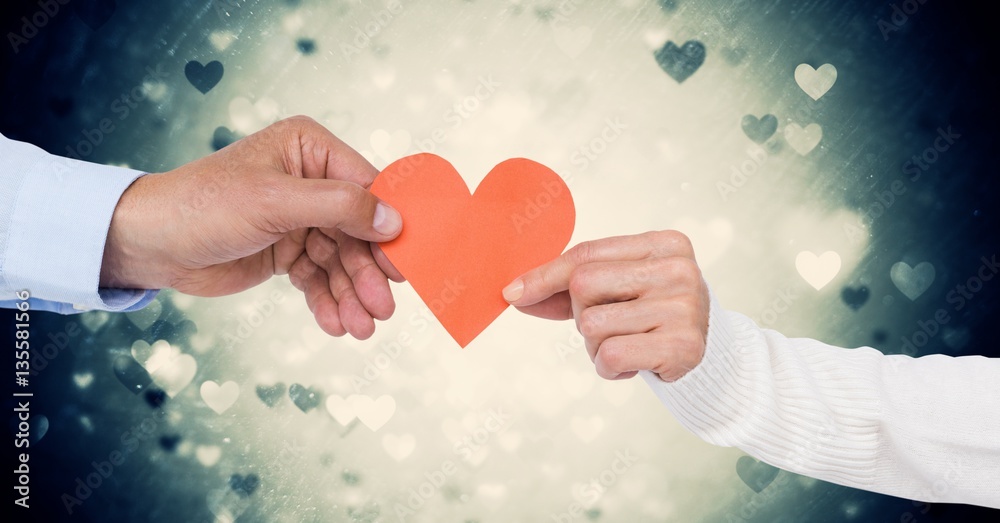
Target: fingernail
387, 220
513, 291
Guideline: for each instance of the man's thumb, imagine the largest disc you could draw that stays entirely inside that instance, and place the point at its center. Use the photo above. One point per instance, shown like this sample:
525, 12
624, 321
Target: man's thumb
336, 204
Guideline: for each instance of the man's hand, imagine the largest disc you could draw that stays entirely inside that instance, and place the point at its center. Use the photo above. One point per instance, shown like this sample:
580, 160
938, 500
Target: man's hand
639, 301
291, 199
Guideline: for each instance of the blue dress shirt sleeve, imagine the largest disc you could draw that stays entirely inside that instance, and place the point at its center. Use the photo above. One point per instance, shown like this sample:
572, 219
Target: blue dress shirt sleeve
54, 218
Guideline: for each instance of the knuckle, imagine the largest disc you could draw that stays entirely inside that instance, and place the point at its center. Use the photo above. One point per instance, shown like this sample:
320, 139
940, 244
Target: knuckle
672, 241
657, 237
606, 374
699, 308
319, 247
687, 341
298, 121
689, 345
612, 356
292, 129
301, 272
664, 311
579, 281
677, 238
660, 265
581, 252
365, 267
684, 313
684, 269
591, 322
665, 370
297, 275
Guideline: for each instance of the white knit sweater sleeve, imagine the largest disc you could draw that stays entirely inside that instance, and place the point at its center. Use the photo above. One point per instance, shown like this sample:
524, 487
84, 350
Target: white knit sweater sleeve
926, 428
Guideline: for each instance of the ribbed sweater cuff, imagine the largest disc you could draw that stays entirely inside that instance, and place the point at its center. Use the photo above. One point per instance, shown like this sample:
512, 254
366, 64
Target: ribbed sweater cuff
793, 407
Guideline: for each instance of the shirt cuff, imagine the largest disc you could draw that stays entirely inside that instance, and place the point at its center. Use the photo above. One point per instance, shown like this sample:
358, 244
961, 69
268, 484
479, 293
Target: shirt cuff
131, 302
58, 228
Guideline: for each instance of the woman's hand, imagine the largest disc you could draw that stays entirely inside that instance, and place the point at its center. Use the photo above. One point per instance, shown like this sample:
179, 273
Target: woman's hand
639, 301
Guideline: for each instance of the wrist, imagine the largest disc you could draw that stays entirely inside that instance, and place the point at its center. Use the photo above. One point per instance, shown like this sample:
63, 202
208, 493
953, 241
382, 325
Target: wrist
130, 258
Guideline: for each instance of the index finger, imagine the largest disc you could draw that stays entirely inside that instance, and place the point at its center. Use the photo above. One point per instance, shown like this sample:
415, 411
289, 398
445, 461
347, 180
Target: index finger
553, 277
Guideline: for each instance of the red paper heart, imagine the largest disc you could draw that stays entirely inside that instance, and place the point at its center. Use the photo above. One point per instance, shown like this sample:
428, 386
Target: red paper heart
459, 250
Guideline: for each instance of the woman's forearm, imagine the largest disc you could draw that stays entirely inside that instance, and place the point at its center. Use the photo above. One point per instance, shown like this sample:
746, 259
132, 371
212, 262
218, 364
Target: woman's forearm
921, 428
